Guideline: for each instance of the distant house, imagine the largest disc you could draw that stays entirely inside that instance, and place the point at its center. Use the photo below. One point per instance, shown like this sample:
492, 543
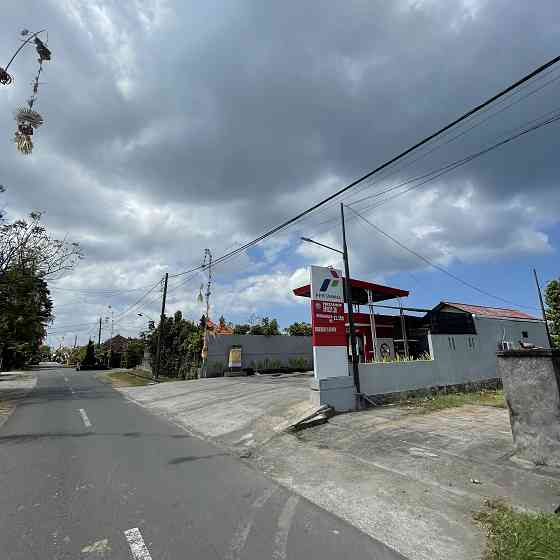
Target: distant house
118, 344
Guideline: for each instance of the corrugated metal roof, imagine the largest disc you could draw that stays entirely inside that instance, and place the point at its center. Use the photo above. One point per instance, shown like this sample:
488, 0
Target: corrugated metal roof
495, 312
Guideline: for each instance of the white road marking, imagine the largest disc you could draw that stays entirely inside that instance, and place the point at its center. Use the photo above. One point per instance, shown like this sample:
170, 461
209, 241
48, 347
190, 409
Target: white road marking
66, 379
284, 524
242, 532
71, 390
137, 545
85, 418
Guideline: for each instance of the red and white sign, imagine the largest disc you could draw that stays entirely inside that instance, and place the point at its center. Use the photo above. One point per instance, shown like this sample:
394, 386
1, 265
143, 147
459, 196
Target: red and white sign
327, 321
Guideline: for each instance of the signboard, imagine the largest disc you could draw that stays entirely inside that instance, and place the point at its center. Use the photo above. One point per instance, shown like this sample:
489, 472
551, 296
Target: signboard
234, 358
327, 321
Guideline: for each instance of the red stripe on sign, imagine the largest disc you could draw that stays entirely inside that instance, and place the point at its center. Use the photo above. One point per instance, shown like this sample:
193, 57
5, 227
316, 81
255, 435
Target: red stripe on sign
327, 322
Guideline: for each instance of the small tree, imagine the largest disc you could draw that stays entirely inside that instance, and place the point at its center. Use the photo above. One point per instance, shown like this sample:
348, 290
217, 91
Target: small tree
89, 358
241, 329
552, 298
267, 327
299, 329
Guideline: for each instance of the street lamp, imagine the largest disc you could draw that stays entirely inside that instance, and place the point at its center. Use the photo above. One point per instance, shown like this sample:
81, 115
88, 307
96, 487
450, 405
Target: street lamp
348, 292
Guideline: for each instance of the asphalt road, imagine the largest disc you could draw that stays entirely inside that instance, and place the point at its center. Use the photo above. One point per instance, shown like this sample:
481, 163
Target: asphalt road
84, 473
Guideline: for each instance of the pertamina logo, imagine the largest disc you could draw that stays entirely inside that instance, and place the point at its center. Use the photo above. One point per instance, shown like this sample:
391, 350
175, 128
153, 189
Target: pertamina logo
330, 282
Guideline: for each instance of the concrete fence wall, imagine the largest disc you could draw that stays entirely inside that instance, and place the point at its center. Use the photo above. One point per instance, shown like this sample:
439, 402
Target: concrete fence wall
261, 352
457, 359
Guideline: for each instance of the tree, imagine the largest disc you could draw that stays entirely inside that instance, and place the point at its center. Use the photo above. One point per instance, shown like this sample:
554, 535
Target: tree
241, 329
299, 329
27, 244
28, 256
552, 299
89, 358
25, 311
134, 353
267, 327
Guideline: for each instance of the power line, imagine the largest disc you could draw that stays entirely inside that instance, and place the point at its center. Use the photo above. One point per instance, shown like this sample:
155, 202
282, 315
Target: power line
379, 168
460, 134
434, 265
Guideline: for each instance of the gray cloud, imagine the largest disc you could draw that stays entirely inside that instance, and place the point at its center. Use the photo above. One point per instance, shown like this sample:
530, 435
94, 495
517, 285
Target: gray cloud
174, 126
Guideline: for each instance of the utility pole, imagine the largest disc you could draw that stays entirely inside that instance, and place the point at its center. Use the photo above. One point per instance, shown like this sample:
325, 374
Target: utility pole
348, 292
111, 343
207, 255
542, 309
99, 335
75, 341
161, 320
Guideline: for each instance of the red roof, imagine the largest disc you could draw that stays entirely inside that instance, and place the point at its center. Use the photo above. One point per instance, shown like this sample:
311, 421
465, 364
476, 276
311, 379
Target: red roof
495, 312
359, 288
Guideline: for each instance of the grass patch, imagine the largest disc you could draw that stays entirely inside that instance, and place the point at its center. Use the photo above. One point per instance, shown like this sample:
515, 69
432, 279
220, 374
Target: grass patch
519, 536
441, 401
123, 379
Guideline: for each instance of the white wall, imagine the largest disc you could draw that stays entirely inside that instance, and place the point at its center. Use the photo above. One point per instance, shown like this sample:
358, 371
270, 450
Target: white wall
457, 359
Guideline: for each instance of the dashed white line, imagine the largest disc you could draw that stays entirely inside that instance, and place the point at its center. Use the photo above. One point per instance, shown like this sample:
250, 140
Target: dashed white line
85, 418
71, 390
137, 545
284, 524
242, 532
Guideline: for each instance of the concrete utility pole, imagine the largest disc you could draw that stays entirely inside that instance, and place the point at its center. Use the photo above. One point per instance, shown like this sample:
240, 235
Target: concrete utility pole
348, 291
111, 343
543, 310
161, 320
99, 335
207, 255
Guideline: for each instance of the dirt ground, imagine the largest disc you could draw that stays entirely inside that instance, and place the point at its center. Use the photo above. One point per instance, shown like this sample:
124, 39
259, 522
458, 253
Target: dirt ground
410, 480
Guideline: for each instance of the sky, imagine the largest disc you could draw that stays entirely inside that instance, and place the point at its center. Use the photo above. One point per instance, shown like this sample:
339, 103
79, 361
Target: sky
172, 126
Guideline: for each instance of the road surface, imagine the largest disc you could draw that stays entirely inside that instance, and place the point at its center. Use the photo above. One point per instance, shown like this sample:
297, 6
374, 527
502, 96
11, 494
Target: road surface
84, 473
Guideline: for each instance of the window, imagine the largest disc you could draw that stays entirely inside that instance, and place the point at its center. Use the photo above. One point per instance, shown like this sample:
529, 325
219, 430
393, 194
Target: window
524, 334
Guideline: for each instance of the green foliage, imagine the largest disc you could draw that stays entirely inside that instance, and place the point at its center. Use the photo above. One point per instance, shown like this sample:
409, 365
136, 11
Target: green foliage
267, 327
552, 299
514, 535
134, 353
443, 400
25, 311
241, 329
89, 357
181, 346
299, 363
423, 357
28, 256
299, 329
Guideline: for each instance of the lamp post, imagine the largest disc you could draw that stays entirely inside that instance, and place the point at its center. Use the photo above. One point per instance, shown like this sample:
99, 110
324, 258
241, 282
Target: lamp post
348, 293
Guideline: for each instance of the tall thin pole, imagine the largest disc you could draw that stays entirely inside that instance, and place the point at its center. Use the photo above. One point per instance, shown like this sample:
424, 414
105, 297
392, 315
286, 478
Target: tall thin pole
348, 291
161, 320
543, 310
208, 254
99, 335
111, 343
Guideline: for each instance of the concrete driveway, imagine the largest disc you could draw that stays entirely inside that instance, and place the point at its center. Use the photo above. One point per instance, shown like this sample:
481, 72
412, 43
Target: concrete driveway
411, 480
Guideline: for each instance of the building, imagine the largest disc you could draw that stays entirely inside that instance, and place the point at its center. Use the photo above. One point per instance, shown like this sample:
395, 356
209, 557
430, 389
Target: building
450, 344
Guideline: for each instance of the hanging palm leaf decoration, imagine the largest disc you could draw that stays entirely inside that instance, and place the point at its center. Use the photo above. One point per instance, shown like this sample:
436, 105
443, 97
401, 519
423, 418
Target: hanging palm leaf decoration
5, 78
26, 115
27, 120
23, 142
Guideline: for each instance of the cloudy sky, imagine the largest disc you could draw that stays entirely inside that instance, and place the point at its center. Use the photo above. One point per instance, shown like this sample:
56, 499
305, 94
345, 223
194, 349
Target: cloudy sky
174, 126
